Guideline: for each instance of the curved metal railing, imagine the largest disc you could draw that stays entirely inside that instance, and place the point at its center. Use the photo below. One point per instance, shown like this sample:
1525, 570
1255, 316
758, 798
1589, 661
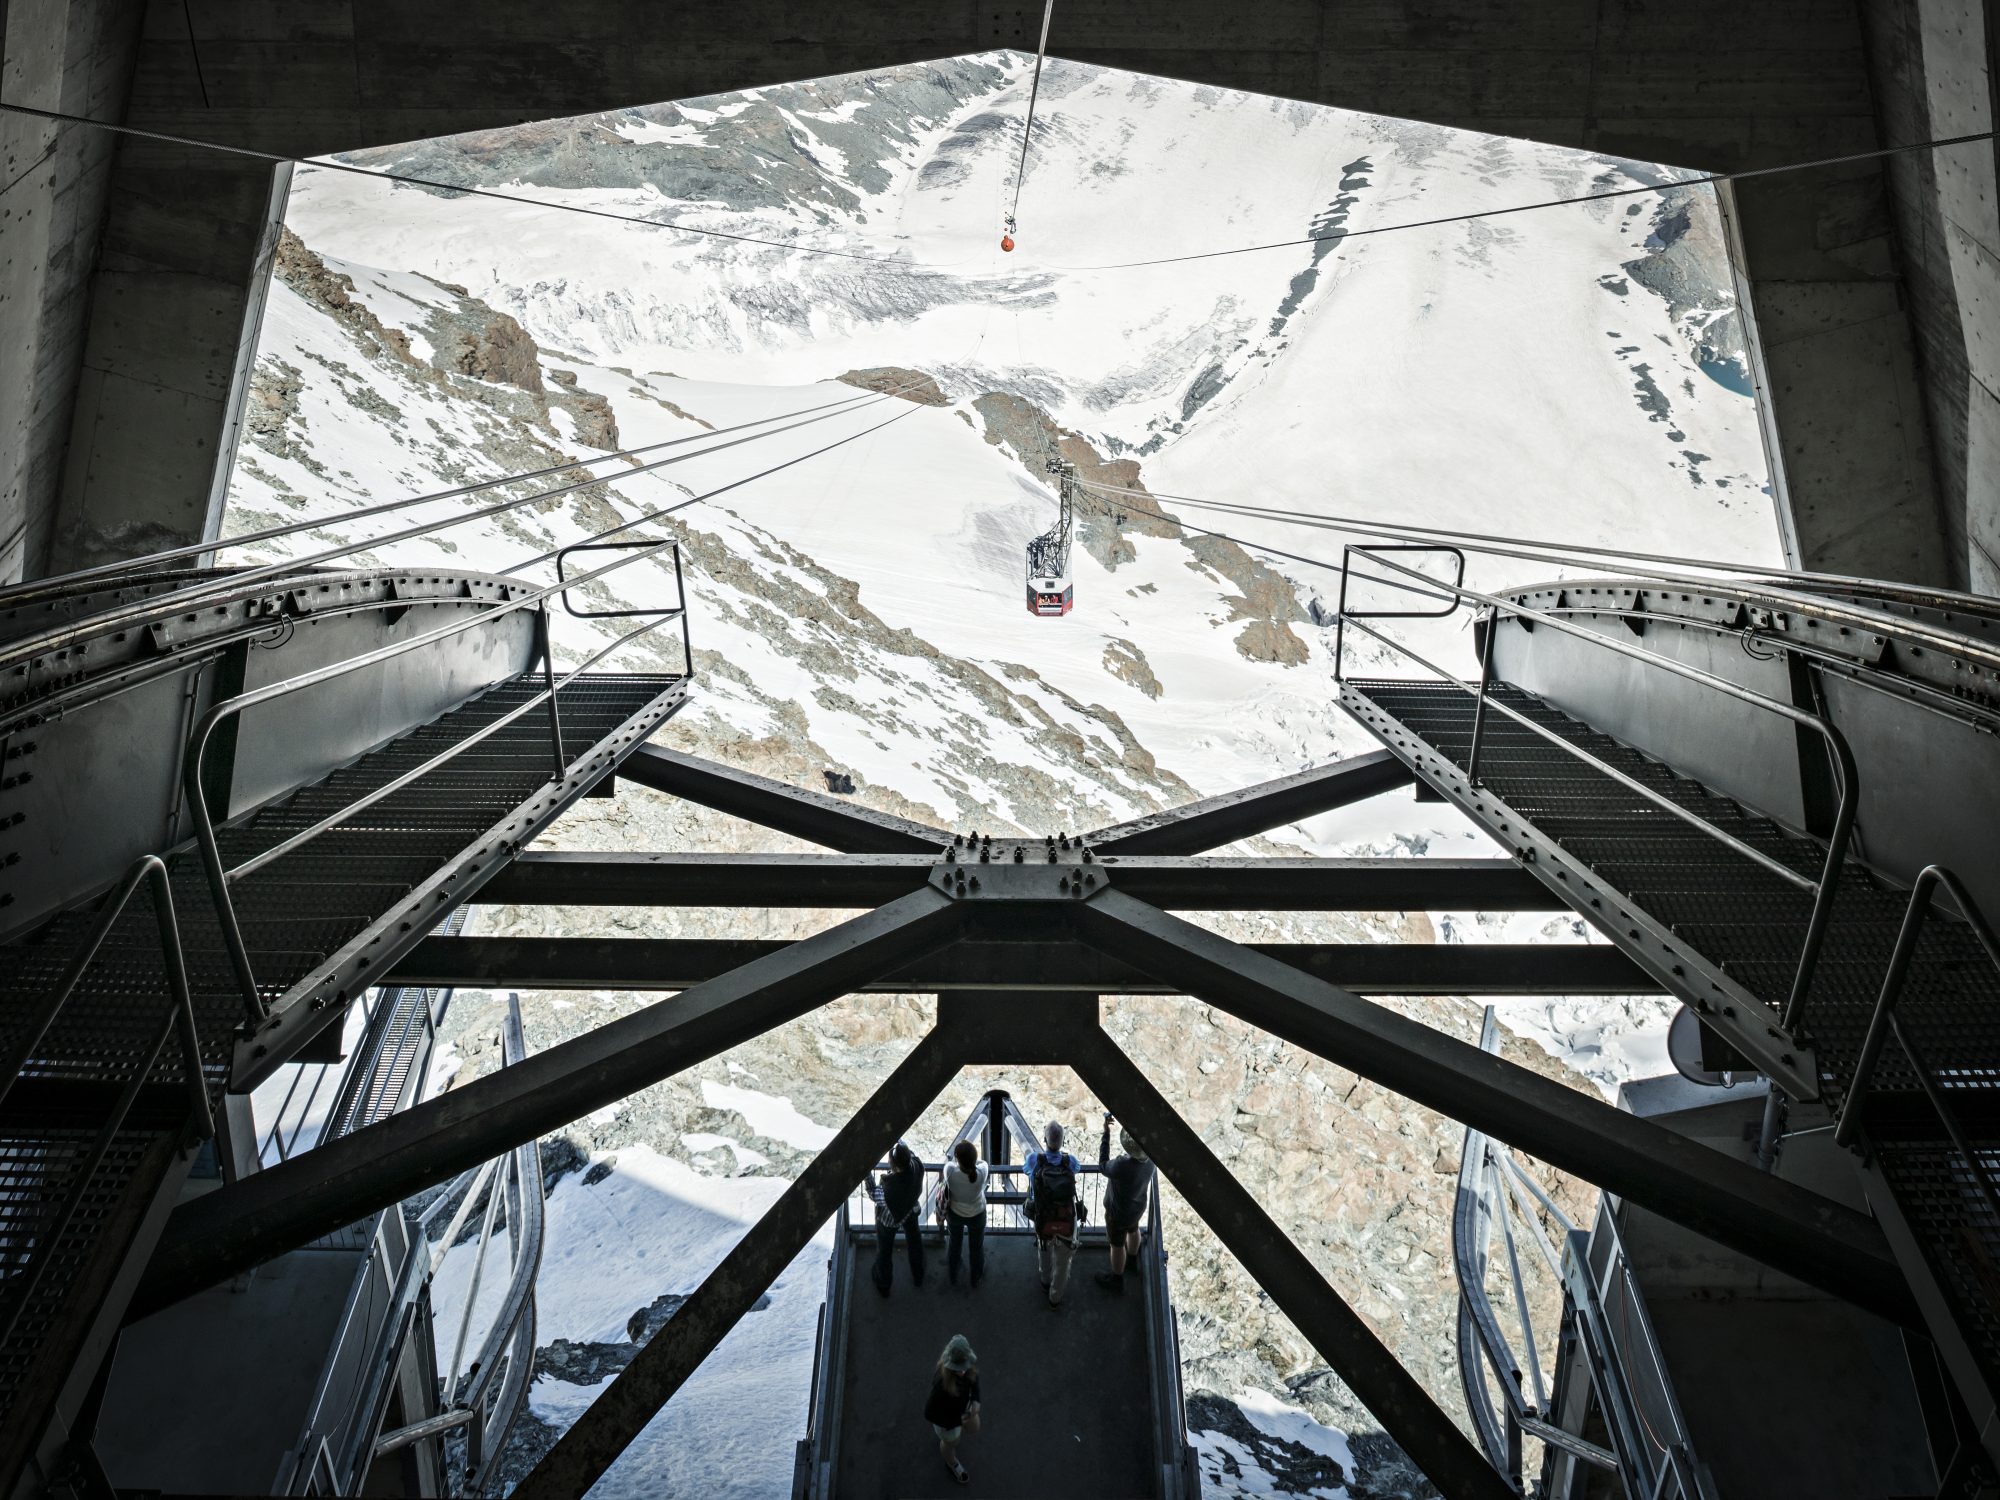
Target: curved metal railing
1841, 758
221, 876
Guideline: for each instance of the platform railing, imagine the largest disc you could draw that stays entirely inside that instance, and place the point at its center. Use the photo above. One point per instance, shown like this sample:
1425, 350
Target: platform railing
480, 1399
1492, 1189
151, 871
1841, 759
221, 877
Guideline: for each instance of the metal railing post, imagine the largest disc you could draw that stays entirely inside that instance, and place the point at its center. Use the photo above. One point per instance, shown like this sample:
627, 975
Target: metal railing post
548, 645
680, 593
1848, 778
1479, 702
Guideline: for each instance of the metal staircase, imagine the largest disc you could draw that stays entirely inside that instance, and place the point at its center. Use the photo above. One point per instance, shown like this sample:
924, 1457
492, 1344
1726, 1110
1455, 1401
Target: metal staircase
1776, 930
282, 912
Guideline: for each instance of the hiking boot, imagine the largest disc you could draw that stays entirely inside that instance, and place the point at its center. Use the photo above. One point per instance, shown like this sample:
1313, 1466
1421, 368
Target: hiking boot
1111, 1281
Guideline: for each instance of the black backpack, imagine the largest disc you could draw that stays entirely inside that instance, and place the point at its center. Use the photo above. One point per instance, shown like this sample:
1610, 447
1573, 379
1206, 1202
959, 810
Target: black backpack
1054, 1209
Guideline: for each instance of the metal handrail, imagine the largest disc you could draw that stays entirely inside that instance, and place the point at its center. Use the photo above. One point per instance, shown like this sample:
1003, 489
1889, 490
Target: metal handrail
1854, 669
1885, 1021
1846, 776
180, 1017
202, 736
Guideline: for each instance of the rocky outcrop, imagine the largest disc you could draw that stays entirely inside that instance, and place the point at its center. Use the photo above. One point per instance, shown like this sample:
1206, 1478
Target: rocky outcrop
1128, 663
496, 350
596, 424
911, 385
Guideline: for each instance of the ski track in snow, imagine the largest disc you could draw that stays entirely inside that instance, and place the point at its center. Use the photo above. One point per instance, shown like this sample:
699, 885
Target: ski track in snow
1481, 376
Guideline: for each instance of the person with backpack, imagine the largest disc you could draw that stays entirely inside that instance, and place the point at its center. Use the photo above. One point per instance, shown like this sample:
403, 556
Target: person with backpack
898, 1199
953, 1407
964, 1205
1053, 1210
1128, 1188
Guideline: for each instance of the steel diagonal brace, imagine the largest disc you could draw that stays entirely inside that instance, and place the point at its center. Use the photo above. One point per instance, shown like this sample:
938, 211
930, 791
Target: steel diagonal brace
659, 1369
1782, 1225
1403, 1407
813, 816
1215, 821
283, 1207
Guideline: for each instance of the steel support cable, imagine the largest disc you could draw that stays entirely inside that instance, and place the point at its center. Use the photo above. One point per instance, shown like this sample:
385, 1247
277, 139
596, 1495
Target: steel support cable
1699, 180
1028, 126
277, 159
137, 615
1488, 544
137, 566
667, 510
334, 165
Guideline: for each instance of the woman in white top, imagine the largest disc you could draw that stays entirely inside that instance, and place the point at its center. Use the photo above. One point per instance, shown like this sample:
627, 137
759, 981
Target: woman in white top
965, 1208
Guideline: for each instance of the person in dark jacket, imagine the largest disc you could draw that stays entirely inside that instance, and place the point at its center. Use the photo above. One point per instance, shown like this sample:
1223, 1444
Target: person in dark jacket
953, 1407
898, 1201
1128, 1189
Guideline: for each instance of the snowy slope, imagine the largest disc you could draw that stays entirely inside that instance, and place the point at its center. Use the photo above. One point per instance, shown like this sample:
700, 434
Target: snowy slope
1570, 372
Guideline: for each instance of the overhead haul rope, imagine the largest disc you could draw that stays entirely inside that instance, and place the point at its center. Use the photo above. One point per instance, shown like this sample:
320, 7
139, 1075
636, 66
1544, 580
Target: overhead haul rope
735, 484
232, 581
1485, 543
331, 164
1523, 208
135, 565
1028, 127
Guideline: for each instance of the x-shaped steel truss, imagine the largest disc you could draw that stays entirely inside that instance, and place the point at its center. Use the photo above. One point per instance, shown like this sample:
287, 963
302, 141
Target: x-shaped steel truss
1089, 909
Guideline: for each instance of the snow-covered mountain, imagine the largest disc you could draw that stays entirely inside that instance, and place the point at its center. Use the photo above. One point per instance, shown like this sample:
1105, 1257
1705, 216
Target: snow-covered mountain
857, 589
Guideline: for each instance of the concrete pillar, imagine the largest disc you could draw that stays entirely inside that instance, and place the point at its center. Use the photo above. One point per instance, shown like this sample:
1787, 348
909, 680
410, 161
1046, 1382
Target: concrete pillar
75, 56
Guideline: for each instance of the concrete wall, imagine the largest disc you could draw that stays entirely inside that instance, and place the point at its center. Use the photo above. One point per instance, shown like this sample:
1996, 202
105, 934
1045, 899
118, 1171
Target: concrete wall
1934, 75
1717, 83
75, 56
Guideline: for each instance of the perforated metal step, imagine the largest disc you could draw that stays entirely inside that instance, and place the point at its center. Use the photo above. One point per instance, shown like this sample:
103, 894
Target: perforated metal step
1735, 930
347, 889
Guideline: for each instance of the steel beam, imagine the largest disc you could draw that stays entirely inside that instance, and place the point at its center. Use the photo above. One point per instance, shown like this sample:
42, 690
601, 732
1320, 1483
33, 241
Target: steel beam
282, 1207
815, 817
837, 881
621, 1412
847, 881
1403, 1407
543, 963
1215, 821
1784, 1226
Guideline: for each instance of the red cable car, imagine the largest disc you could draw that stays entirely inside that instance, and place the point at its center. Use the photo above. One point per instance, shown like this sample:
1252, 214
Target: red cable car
1050, 591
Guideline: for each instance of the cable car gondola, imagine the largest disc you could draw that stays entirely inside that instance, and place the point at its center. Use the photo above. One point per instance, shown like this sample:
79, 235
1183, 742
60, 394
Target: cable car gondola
1050, 591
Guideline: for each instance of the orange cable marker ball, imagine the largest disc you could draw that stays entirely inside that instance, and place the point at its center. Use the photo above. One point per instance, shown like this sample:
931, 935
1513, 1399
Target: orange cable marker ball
1006, 242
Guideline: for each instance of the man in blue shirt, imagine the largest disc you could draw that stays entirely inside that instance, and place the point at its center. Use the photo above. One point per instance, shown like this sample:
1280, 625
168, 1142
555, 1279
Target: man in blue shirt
1052, 1209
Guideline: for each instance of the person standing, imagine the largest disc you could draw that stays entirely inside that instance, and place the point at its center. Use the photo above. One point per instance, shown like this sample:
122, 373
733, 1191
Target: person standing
953, 1407
1052, 1209
965, 1209
1128, 1189
898, 1199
